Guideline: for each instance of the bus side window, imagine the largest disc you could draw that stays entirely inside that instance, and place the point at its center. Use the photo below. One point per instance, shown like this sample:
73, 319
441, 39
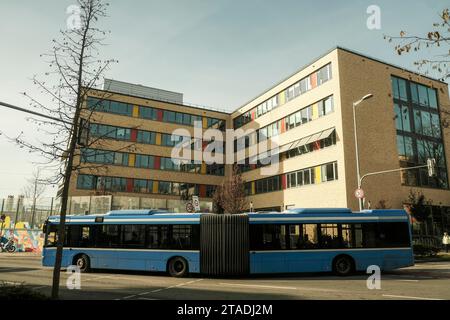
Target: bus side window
357, 236
309, 237
52, 236
369, 235
85, 236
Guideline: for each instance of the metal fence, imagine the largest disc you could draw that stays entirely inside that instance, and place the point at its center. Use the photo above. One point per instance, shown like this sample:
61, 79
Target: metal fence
24, 213
103, 204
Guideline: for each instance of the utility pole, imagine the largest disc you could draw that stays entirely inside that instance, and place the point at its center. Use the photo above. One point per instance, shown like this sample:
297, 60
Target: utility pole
17, 213
33, 212
358, 173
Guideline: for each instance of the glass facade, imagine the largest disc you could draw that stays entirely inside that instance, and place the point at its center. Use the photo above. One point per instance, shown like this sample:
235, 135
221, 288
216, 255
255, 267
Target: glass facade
304, 85
126, 109
147, 162
313, 175
419, 135
120, 184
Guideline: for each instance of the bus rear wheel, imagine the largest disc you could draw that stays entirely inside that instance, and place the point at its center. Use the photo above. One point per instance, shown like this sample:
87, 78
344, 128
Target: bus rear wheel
178, 267
82, 261
343, 265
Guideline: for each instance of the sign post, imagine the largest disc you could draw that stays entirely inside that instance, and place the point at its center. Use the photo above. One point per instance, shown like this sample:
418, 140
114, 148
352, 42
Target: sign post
196, 203
359, 193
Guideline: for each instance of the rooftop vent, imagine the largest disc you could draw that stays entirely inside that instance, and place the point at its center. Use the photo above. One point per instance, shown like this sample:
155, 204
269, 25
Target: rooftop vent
135, 212
319, 210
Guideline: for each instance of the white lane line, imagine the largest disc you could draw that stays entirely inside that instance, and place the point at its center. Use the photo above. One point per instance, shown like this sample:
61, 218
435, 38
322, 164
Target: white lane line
161, 289
256, 286
12, 283
279, 287
409, 297
406, 280
41, 287
148, 299
96, 278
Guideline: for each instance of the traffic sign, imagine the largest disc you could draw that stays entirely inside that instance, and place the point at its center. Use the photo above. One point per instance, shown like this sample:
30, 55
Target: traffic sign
189, 207
359, 193
196, 203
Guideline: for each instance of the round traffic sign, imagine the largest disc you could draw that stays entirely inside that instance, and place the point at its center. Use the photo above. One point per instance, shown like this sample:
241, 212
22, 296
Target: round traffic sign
359, 193
189, 207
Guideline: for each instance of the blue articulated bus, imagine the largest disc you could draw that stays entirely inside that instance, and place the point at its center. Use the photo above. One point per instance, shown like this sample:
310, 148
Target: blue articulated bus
294, 241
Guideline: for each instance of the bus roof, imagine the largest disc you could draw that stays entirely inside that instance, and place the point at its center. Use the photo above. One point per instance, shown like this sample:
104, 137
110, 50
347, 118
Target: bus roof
329, 216
304, 215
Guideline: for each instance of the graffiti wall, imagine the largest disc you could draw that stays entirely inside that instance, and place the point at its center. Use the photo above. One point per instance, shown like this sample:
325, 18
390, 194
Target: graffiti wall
26, 240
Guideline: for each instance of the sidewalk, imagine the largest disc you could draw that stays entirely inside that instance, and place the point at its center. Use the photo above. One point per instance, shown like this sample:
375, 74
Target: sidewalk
441, 256
20, 254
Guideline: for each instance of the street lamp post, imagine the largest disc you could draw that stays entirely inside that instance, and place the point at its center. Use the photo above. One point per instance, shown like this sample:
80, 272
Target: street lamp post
358, 174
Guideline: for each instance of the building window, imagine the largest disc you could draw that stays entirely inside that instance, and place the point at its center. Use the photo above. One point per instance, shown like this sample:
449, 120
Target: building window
86, 182
141, 186
146, 137
148, 113
322, 75
418, 140
144, 161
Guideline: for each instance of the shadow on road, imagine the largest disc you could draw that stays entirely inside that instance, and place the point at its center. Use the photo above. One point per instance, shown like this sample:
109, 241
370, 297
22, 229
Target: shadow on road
16, 269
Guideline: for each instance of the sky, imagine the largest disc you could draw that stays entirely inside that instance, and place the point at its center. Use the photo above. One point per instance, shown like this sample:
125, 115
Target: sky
218, 53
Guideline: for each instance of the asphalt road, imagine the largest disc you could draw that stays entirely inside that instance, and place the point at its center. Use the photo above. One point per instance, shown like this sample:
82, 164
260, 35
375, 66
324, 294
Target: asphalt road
430, 280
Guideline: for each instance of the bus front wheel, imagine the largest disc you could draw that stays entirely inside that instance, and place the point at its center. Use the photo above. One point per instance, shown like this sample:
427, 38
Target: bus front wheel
343, 265
82, 261
178, 267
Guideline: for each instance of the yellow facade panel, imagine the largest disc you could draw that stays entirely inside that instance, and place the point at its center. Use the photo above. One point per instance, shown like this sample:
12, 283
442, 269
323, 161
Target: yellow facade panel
155, 187
281, 99
131, 160
317, 175
315, 111
135, 111
158, 139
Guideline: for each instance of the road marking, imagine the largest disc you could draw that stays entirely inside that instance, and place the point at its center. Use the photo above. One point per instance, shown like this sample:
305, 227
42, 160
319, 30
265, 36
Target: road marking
13, 283
41, 287
256, 286
148, 299
406, 280
161, 289
278, 287
96, 278
409, 297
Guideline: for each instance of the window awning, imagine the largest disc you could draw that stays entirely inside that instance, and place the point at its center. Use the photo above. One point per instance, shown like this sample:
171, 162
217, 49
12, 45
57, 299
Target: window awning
286, 147
309, 139
326, 133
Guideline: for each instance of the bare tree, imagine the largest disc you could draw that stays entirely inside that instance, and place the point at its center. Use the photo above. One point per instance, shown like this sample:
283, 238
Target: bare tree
436, 39
418, 205
75, 69
231, 194
382, 204
35, 189
218, 200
